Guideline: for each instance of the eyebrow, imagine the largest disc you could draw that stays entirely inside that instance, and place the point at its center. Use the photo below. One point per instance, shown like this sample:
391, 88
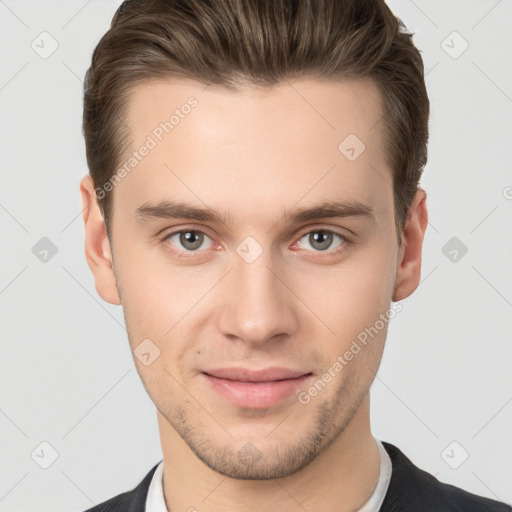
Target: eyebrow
167, 209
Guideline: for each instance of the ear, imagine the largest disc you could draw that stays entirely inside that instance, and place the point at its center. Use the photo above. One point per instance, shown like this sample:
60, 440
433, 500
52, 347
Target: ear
408, 271
97, 246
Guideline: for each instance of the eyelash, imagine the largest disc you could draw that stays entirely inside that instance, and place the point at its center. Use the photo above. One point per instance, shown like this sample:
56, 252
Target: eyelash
345, 244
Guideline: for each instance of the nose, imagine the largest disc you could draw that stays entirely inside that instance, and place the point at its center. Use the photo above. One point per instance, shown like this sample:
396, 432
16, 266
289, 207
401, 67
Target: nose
258, 305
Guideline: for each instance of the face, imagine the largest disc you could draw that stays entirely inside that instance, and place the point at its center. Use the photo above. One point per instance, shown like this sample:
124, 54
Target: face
250, 236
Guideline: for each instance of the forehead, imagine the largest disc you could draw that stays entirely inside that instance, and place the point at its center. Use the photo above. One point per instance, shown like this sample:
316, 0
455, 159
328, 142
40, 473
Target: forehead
291, 109
296, 141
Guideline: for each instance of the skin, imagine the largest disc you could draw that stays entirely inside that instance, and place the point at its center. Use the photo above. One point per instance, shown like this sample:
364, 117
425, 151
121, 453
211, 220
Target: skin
254, 154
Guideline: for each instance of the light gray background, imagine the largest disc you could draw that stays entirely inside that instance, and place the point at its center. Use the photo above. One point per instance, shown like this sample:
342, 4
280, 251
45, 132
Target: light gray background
67, 375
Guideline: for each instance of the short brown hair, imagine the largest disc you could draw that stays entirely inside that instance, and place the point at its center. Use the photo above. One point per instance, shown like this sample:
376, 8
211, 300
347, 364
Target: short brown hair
261, 42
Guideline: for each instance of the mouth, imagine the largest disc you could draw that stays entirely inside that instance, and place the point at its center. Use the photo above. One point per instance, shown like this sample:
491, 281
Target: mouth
256, 389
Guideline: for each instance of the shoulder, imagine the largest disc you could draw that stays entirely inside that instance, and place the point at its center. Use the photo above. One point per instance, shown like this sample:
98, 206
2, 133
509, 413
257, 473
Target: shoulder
129, 501
412, 489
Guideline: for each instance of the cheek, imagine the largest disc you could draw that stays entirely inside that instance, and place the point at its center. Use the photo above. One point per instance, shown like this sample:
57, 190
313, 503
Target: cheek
352, 295
161, 303
155, 294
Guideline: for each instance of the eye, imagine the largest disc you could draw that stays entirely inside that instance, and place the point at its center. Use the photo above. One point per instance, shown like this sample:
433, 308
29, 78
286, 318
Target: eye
320, 240
189, 240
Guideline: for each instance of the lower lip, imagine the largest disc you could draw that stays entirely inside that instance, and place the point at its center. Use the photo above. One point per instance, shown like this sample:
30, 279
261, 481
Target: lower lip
256, 395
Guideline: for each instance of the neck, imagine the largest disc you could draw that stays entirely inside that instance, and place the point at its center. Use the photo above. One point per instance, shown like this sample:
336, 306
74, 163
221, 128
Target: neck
341, 478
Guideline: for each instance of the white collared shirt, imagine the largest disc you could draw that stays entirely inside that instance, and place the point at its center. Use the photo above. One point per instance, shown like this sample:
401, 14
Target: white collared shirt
155, 500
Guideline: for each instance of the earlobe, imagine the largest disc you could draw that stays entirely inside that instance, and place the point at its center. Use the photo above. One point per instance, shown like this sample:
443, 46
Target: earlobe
97, 246
408, 271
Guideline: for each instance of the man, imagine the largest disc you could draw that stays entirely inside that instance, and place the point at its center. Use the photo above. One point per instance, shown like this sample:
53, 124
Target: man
253, 204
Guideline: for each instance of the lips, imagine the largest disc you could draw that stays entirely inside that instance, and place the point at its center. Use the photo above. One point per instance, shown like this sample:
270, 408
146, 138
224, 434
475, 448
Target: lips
255, 389
264, 375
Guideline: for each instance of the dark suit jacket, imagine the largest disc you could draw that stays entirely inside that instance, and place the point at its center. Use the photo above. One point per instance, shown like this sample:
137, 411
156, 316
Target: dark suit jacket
410, 490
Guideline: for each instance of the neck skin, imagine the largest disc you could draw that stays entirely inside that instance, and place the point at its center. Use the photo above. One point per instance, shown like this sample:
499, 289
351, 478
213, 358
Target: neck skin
342, 478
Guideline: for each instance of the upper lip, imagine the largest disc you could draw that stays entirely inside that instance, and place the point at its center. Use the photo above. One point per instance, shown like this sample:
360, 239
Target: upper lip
264, 375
